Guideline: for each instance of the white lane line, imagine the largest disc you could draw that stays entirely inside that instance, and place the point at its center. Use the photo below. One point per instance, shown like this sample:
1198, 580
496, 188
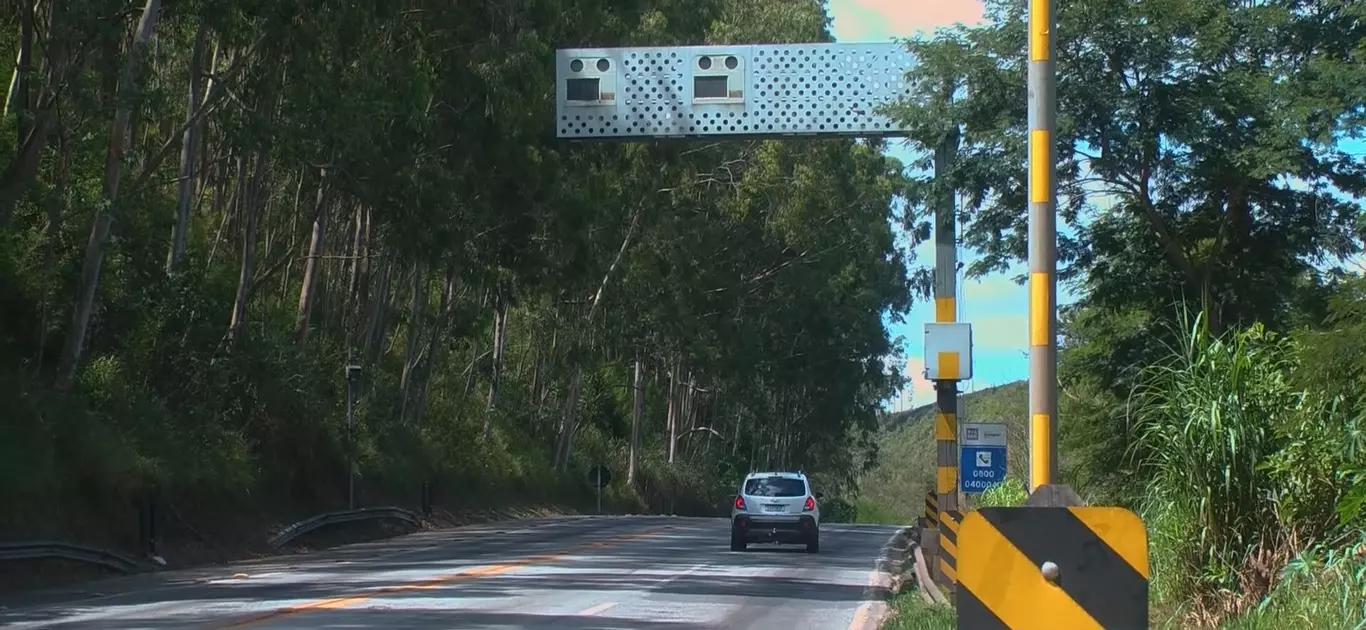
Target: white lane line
689, 571
603, 607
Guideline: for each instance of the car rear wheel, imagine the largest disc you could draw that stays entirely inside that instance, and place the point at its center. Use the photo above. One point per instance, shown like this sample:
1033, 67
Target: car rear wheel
814, 544
737, 543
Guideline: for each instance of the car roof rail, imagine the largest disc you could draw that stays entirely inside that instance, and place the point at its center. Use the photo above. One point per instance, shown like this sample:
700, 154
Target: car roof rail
766, 473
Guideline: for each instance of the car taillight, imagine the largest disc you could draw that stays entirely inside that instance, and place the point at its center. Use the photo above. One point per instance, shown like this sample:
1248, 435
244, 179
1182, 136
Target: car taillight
739, 502
810, 504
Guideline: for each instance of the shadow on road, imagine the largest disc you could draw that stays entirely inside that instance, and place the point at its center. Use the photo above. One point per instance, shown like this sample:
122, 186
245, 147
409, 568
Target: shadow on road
690, 560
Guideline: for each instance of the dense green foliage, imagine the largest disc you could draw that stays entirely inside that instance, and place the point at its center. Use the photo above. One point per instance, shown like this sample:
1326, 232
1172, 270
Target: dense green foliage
202, 223
208, 208
1211, 371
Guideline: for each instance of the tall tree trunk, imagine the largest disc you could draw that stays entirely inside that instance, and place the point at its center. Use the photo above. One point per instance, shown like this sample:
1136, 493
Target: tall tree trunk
256, 201
500, 323
571, 421
367, 264
57, 207
410, 354
570, 425
311, 265
35, 127
293, 234
379, 309
349, 310
232, 202
436, 342
690, 414
674, 409
535, 389
540, 374
186, 185
252, 209
637, 411
17, 97
735, 435
113, 176
205, 128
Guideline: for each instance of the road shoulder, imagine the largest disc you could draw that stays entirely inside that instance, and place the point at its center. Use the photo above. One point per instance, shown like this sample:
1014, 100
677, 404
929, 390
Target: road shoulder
885, 580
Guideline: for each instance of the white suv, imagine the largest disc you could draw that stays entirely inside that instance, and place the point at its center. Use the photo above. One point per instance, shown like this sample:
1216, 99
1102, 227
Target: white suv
776, 507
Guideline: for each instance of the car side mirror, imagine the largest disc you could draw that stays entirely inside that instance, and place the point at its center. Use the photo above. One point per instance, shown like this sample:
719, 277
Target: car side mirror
820, 495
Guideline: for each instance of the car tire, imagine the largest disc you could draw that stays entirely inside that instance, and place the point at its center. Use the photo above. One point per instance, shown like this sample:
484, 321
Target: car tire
814, 545
737, 542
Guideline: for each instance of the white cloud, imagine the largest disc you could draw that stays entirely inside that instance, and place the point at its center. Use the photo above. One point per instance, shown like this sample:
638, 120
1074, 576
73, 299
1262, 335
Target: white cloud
919, 391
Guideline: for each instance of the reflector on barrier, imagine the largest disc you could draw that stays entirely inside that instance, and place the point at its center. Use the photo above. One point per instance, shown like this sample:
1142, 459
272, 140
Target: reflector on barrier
1052, 567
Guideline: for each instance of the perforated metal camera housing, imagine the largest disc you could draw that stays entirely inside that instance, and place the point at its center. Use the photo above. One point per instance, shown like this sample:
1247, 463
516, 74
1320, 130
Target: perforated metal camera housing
729, 91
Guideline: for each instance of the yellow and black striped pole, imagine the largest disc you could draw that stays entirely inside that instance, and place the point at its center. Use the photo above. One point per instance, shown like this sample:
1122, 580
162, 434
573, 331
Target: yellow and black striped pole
1043, 260
946, 386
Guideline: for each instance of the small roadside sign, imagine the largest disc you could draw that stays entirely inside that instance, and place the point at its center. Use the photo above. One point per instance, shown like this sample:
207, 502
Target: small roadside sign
982, 456
599, 476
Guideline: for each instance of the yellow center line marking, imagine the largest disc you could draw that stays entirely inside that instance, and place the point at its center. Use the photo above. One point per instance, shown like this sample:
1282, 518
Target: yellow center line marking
861, 615
437, 582
603, 607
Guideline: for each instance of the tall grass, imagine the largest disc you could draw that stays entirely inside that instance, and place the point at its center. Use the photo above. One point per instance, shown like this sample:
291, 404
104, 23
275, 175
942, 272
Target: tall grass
1204, 429
910, 612
1241, 467
1322, 587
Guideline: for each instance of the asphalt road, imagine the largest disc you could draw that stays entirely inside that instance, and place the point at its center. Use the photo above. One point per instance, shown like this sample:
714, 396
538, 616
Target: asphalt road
608, 573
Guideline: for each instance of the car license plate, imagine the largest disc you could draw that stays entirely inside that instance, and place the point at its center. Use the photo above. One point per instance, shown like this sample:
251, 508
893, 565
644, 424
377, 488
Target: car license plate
773, 507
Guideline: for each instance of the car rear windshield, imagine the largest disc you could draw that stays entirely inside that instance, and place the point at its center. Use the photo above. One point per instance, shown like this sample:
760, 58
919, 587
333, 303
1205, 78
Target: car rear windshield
775, 487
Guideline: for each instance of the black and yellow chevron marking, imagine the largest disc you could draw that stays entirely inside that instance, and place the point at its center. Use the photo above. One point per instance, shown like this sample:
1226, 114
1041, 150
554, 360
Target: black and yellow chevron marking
1101, 554
949, 524
931, 510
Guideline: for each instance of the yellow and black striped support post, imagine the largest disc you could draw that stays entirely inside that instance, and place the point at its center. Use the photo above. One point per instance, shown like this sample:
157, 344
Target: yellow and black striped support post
946, 482
949, 525
950, 364
1028, 568
931, 510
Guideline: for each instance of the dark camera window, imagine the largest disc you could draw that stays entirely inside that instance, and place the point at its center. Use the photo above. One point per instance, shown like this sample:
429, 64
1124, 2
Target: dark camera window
709, 87
582, 90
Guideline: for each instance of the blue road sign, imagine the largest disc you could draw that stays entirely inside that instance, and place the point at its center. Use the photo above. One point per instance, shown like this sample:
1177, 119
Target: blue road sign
982, 456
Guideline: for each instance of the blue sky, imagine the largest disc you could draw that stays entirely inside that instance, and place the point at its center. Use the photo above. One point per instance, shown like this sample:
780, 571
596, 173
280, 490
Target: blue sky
996, 306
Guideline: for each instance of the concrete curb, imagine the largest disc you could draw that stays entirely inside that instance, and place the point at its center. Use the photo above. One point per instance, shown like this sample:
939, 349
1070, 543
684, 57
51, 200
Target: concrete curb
887, 577
929, 591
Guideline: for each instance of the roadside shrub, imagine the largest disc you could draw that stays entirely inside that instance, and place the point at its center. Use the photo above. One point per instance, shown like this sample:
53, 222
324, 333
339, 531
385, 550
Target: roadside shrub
1009, 493
838, 510
1240, 467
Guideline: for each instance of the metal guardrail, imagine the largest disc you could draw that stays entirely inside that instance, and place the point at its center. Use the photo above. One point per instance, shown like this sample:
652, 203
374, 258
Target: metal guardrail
49, 550
335, 518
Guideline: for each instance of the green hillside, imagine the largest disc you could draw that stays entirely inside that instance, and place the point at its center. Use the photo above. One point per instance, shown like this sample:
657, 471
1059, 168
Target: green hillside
894, 488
